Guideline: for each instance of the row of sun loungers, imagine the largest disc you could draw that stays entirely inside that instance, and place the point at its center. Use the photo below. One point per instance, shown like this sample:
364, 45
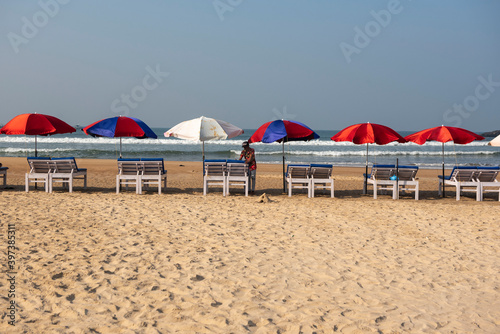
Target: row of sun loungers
393, 178
310, 177
472, 179
56, 170
143, 173
225, 173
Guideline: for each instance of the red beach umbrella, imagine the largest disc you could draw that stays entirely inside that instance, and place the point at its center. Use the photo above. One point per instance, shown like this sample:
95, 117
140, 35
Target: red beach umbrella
368, 133
444, 134
36, 124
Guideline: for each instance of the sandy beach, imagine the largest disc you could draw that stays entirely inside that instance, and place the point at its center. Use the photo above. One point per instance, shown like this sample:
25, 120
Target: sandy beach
96, 262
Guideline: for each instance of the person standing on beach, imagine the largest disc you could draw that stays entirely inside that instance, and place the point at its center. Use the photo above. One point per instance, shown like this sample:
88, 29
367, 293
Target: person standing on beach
249, 155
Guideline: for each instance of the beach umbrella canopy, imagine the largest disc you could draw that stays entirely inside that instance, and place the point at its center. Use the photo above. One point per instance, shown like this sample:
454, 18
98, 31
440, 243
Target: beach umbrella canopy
120, 126
204, 129
283, 131
368, 133
495, 141
444, 134
36, 124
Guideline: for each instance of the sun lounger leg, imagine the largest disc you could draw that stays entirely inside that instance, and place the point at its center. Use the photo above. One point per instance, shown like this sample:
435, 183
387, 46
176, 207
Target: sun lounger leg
416, 192
458, 192
395, 191
375, 190
117, 184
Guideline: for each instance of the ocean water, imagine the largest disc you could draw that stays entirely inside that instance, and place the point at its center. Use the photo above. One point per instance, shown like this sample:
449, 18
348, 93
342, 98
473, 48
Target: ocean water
322, 150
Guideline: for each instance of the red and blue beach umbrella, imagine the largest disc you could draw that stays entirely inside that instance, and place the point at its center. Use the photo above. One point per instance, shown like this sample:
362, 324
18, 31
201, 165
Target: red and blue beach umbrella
282, 131
120, 126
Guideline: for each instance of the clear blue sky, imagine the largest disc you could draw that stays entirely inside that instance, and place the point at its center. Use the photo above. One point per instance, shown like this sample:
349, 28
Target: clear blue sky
329, 64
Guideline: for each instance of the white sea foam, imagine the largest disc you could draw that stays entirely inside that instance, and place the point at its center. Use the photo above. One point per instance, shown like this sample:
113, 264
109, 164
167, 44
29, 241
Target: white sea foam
230, 142
23, 150
376, 153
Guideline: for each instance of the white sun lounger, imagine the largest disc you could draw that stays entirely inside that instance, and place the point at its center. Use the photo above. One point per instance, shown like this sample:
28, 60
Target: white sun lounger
298, 177
214, 175
65, 171
237, 175
321, 178
487, 178
153, 173
407, 180
129, 173
463, 179
3, 175
40, 169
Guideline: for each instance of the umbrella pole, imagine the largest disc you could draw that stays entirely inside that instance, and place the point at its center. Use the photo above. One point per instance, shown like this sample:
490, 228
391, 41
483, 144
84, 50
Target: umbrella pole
442, 145
203, 159
397, 178
365, 187
284, 183
36, 155
120, 147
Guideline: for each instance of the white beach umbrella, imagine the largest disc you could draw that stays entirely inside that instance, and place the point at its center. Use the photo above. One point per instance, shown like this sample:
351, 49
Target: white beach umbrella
495, 141
203, 129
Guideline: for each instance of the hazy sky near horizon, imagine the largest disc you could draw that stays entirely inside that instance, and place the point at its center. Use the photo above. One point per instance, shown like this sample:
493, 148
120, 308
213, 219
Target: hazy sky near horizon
406, 64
